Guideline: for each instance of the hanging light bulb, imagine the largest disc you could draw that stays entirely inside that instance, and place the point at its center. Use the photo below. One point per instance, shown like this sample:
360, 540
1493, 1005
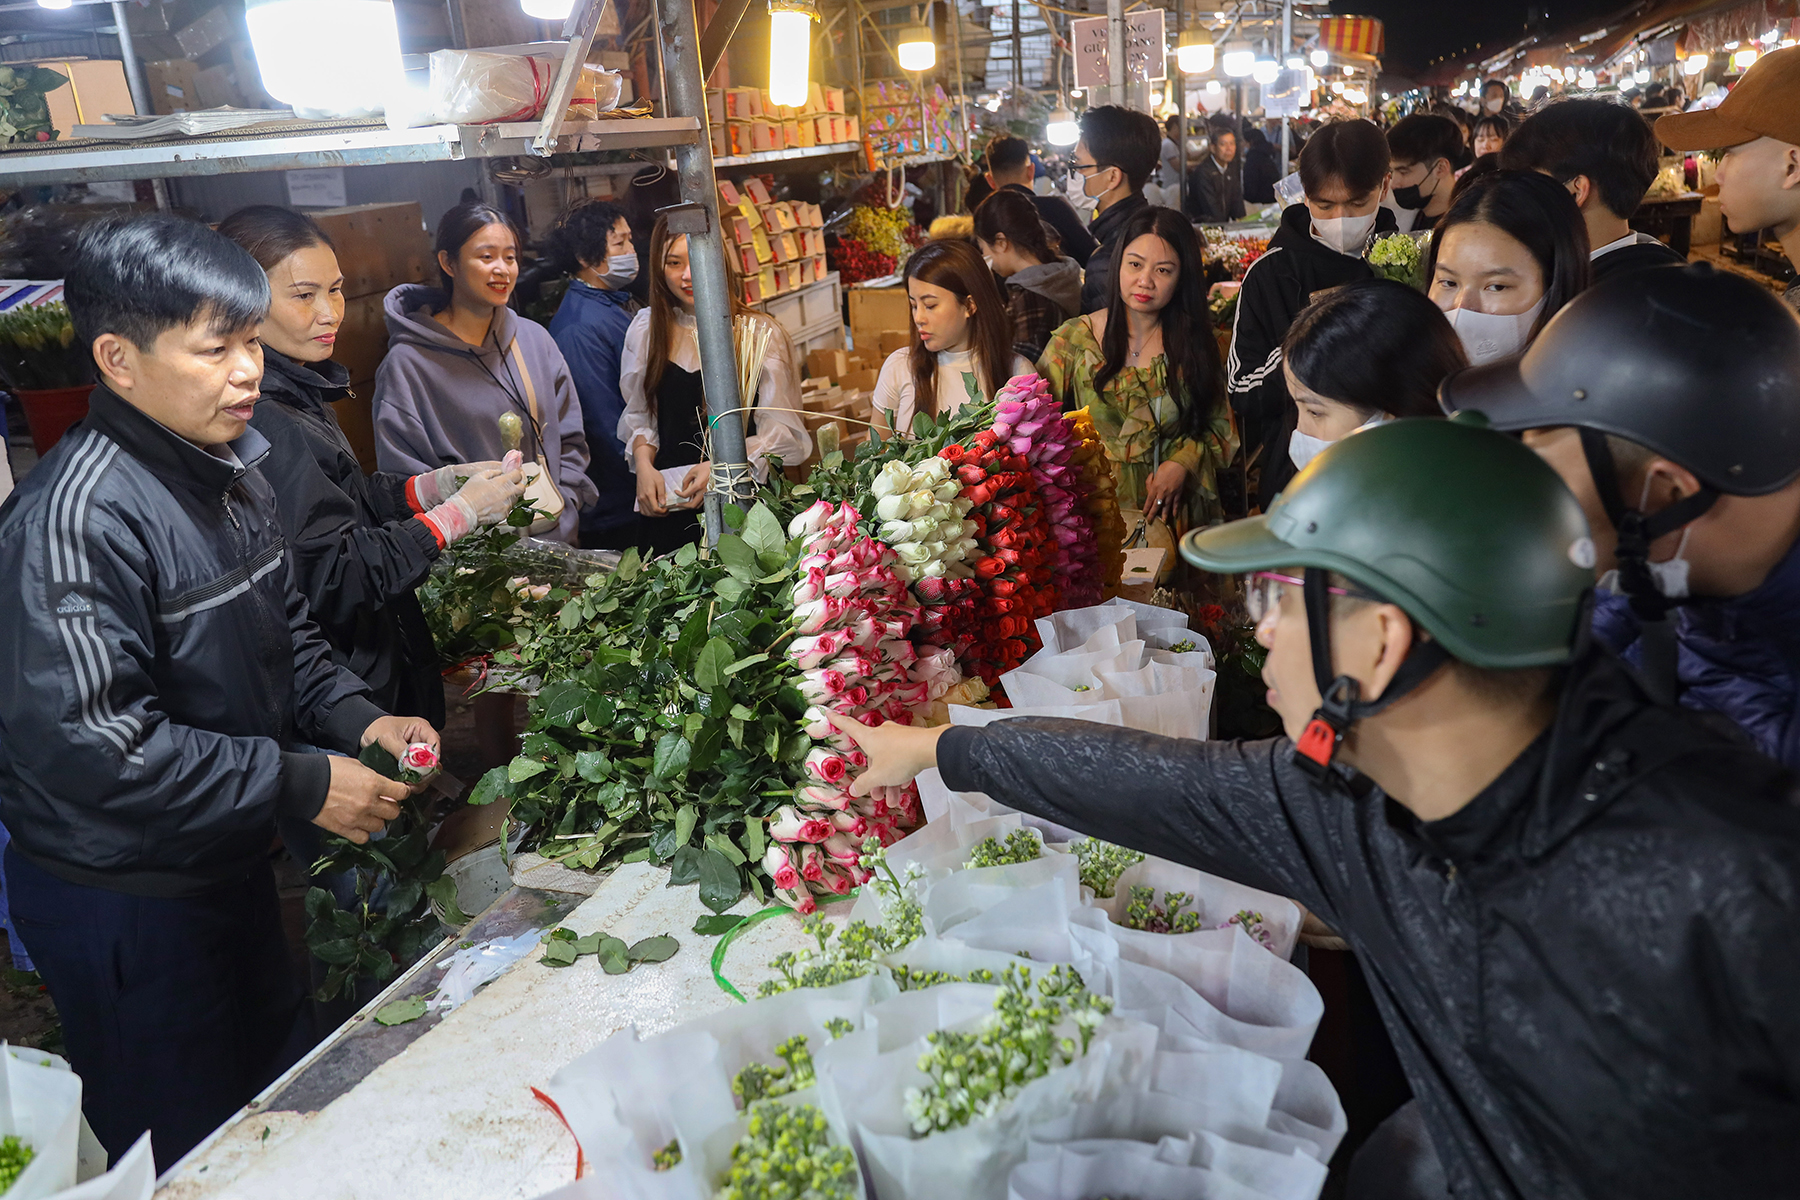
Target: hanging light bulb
1194, 55
790, 50
54, 3
1695, 64
1641, 75
1264, 71
1743, 59
1586, 81
547, 10
1061, 129
336, 56
1320, 57
1212, 87
915, 49
1239, 59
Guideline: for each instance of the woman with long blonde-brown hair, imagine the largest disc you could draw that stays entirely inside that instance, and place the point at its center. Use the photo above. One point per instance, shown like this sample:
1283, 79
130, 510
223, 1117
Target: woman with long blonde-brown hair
963, 333
665, 405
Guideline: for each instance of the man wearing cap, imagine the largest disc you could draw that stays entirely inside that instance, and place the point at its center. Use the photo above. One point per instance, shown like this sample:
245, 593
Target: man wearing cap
1575, 907
1758, 127
1670, 405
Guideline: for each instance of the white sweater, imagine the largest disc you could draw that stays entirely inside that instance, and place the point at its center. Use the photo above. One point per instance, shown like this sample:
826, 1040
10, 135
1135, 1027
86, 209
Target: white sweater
894, 386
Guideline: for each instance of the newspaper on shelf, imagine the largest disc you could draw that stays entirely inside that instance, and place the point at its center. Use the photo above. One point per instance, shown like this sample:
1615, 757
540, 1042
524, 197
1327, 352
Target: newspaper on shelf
131, 127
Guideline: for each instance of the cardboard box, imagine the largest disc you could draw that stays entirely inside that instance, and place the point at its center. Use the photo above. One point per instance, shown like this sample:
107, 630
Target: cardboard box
756, 190
833, 364
363, 337
379, 246
891, 342
728, 194
859, 381
216, 87
95, 88
743, 103
171, 84
833, 98
208, 32
875, 311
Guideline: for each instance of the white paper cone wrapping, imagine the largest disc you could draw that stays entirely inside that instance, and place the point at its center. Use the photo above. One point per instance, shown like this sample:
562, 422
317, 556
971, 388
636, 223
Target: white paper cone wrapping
1216, 899
40, 1103
1070, 1174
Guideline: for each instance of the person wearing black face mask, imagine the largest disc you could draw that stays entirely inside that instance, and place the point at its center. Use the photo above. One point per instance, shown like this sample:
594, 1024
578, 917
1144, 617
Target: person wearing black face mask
1425, 151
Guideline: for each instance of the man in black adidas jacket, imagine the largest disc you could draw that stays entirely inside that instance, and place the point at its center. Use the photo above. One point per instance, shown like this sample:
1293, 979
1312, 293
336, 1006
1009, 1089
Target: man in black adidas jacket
160, 683
1321, 244
1576, 908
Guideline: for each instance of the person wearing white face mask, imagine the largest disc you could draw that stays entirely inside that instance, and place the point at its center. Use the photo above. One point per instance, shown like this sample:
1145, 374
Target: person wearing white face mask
592, 245
1359, 356
1511, 251
1113, 160
1344, 169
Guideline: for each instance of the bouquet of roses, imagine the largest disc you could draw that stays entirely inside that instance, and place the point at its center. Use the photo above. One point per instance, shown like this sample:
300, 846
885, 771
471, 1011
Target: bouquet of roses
1031, 421
1015, 575
853, 616
1100, 491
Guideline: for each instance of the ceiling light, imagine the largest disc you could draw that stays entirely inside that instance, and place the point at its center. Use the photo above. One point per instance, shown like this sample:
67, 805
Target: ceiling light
336, 56
1264, 71
1195, 53
1320, 57
790, 50
1061, 129
916, 50
1239, 59
1695, 64
547, 10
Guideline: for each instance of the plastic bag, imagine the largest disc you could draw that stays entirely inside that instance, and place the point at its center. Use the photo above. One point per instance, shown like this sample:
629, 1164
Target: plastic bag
472, 966
40, 1104
1067, 1173
474, 87
1216, 899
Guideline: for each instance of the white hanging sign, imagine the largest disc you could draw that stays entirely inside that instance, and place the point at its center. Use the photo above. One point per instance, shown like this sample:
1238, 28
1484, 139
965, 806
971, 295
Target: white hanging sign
1146, 56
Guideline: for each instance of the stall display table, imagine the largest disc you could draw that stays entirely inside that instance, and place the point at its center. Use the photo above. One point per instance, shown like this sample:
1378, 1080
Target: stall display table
1670, 217
442, 1108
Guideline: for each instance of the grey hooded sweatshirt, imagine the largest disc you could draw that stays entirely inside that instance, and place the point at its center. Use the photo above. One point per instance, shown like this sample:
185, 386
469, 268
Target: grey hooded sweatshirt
438, 400
1059, 280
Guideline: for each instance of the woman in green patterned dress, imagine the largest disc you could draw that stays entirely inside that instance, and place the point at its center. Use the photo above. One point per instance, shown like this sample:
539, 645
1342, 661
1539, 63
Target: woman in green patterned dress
1147, 370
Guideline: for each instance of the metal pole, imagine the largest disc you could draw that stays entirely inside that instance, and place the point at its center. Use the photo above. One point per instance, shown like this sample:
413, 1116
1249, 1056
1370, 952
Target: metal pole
1018, 57
686, 90
134, 70
1287, 48
1181, 117
1115, 51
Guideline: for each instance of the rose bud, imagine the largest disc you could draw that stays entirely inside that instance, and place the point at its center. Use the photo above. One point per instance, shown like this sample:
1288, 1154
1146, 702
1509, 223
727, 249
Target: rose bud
799, 899
813, 796
419, 760
836, 879
789, 825
780, 867
812, 862
812, 520
826, 767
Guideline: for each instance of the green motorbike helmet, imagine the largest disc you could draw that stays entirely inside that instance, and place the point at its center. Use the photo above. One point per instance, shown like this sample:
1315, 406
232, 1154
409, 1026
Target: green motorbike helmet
1469, 532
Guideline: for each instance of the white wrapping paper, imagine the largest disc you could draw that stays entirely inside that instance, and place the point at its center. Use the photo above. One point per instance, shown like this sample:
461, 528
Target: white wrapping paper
1071, 1174
40, 1103
1216, 899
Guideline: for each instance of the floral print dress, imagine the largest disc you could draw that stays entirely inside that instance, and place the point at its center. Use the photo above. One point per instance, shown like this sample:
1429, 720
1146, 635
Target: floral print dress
1130, 416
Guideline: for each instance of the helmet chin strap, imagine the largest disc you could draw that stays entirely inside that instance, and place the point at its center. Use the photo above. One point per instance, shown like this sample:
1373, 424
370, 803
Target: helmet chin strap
1636, 533
1339, 706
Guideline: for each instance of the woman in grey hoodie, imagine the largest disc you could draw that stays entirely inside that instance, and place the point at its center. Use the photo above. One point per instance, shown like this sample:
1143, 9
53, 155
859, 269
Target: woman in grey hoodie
459, 359
1042, 288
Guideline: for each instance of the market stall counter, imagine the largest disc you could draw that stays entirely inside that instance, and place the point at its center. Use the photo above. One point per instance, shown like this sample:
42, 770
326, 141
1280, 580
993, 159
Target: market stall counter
443, 1106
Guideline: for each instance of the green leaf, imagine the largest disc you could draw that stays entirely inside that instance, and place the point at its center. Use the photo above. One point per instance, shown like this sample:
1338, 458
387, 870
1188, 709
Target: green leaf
593, 766
398, 1013
723, 844
713, 664
522, 768
563, 703
755, 839
685, 818
720, 883
320, 904
731, 588
589, 944
614, 956
672, 753
630, 563
491, 786
684, 867
714, 925
375, 756
442, 891
600, 710
733, 516
562, 933
688, 555
763, 533
747, 661
559, 953
339, 953
738, 557
654, 949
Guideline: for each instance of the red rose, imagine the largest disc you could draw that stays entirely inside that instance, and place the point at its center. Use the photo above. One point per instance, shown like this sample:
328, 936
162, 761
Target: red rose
953, 453
987, 568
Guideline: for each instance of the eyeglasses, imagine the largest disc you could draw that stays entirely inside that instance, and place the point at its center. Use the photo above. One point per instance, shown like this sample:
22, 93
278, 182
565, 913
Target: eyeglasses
1263, 597
1084, 168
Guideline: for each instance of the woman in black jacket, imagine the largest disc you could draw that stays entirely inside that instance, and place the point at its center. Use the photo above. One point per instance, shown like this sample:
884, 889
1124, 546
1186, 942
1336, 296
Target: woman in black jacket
360, 544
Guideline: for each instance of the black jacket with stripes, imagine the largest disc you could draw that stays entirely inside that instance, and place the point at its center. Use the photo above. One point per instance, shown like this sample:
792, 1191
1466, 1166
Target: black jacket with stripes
157, 665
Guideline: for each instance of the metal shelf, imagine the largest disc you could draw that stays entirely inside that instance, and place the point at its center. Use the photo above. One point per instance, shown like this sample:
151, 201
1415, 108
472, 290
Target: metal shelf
776, 156
336, 144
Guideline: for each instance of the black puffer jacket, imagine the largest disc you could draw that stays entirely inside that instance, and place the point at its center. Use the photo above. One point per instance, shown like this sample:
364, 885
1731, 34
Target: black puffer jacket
156, 662
358, 550
1590, 972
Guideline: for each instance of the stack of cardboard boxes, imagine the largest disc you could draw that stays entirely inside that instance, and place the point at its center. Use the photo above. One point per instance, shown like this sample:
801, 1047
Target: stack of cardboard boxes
743, 120
777, 247
379, 247
197, 57
839, 387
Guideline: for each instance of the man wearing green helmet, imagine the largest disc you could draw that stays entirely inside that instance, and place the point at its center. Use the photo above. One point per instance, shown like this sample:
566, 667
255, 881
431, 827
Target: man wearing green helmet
1575, 907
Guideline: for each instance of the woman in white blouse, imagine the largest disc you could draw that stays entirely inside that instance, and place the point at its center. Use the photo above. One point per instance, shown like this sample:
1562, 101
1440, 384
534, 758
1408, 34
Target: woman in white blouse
963, 351
665, 405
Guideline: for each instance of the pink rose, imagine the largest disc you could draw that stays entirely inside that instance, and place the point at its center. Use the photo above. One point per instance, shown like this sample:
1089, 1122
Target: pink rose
841, 849
789, 825
812, 520
799, 899
812, 863
836, 880
421, 757
826, 767
780, 867
807, 652
811, 588
815, 798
